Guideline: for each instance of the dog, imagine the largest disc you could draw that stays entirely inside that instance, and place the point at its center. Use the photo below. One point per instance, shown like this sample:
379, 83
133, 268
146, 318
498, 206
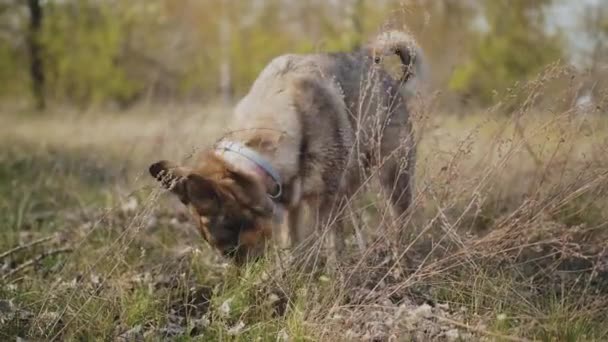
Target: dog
310, 131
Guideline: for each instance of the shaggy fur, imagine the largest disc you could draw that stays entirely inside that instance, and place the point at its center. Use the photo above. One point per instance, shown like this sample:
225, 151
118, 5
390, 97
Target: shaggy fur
324, 122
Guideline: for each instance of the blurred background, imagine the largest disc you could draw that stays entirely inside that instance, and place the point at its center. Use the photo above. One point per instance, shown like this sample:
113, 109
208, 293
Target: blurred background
509, 223
120, 53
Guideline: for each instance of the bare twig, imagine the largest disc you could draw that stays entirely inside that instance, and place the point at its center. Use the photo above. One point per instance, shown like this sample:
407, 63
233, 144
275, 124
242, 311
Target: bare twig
481, 331
27, 245
36, 260
520, 131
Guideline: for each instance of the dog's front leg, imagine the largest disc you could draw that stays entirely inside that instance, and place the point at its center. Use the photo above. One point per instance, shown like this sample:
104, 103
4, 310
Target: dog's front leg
281, 228
335, 242
331, 228
295, 225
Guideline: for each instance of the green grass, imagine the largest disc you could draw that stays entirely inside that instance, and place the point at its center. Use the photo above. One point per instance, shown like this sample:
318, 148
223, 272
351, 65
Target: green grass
46, 190
514, 307
524, 264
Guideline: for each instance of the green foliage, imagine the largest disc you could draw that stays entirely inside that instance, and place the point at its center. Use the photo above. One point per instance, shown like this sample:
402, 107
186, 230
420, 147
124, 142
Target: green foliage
116, 51
98, 52
12, 70
83, 43
13, 65
105, 288
515, 47
252, 47
141, 307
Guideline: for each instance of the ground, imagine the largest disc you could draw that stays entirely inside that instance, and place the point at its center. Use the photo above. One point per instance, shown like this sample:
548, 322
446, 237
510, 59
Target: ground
506, 240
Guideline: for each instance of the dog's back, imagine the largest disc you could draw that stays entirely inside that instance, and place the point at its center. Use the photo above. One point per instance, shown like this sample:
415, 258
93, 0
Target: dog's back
364, 87
337, 110
308, 133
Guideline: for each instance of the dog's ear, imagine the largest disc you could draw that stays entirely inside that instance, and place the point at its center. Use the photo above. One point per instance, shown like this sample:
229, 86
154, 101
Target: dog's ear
172, 177
250, 192
200, 191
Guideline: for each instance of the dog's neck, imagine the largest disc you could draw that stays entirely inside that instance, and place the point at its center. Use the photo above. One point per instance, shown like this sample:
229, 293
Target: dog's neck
251, 162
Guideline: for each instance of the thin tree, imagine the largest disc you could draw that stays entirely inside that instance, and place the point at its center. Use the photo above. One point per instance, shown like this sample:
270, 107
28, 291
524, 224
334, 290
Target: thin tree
35, 52
225, 54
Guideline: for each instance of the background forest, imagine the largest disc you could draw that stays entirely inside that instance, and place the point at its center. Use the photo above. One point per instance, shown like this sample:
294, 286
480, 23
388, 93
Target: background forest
505, 241
84, 52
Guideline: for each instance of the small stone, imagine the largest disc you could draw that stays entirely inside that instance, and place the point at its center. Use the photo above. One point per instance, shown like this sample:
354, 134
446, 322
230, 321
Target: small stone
387, 303
225, 307
95, 279
403, 308
236, 329
172, 330
130, 205
324, 279
203, 322
452, 335
175, 319
389, 322
151, 223
283, 336
351, 335
199, 325
133, 334
481, 326
273, 298
337, 317
424, 310
444, 306
6, 306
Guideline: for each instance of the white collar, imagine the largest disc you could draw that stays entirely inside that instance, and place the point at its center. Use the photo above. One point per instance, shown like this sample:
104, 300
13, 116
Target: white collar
244, 157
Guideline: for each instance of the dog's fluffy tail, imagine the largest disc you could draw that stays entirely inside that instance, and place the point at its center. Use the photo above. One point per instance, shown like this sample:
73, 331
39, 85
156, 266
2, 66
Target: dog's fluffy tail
405, 47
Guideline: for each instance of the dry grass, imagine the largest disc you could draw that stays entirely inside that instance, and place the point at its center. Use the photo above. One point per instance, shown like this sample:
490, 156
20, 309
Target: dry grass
506, 241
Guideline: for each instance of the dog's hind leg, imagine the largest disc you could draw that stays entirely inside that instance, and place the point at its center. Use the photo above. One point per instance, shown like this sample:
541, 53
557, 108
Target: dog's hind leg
397, 169
334, 243
281, 229
296, 226
396, 184
331, 225
359, 228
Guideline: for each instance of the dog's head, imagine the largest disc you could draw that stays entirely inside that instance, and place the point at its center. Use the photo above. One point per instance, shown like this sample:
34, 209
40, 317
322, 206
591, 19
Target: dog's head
231, 207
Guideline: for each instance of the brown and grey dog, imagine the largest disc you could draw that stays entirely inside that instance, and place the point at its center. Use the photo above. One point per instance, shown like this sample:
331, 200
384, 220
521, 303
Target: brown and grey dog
302, 141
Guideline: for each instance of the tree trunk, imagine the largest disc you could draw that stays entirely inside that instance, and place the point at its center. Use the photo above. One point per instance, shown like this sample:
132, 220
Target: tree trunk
225, 47
356, 17
35, 51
